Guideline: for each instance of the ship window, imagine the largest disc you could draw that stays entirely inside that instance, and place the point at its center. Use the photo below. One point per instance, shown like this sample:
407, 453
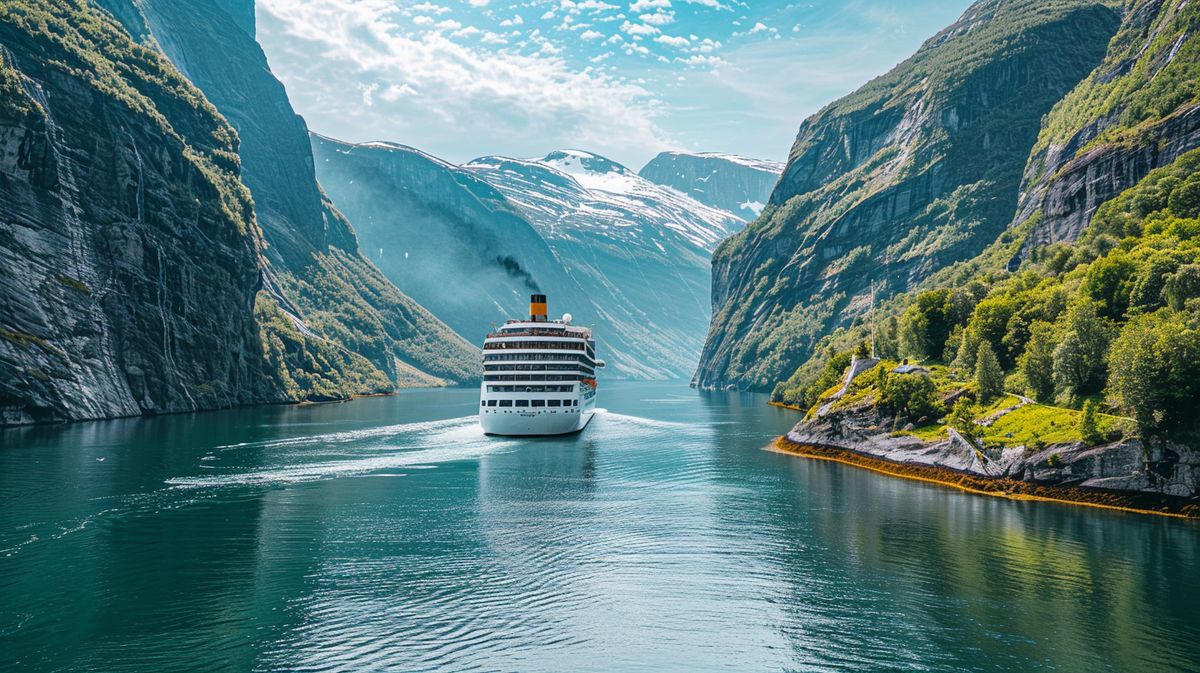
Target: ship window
491, 403
539, 403
554, 403
522, 403
506, 403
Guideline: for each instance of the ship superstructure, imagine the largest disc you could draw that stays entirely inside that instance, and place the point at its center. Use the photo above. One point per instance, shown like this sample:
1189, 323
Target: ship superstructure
539, 376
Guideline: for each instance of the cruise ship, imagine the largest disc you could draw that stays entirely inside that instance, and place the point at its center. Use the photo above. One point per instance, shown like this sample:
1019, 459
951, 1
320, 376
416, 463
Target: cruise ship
539, 376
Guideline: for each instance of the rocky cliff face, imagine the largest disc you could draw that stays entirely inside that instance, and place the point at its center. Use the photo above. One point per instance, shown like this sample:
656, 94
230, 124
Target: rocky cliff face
472, 242
315, 270
917, 170
128, 248
736, 184
1139, 110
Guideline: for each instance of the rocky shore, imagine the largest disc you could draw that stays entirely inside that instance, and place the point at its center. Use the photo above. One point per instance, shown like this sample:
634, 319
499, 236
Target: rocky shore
1126, 475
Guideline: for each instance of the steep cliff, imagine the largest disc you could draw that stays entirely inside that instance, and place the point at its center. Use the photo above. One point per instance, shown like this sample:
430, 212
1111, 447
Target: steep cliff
129, 255
315, 269
1140, 109
740, 185
917, 170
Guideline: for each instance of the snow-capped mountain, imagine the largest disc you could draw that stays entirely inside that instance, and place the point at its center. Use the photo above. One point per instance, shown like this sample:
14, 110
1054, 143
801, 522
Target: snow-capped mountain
737, 184
616, 250
575, 190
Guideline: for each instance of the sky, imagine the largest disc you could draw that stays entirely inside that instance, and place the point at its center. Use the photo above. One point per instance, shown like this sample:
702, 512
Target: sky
467, 78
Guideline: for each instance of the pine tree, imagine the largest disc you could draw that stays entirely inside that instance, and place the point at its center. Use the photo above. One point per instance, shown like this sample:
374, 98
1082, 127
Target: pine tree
1089, 427
988, 374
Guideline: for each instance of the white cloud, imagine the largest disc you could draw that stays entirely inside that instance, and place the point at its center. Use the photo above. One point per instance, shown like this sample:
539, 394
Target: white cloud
671, 41
377, 79
430, 8
636, 29
659, 18
423, 20
701, 59
592, 6
515, 21
478, 3
759, 28
368, 92
643, 5
590, 35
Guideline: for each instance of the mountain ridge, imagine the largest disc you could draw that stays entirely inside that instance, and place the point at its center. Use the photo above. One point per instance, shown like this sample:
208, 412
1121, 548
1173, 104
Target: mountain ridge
917, 170
617, 251
734, 183
315, 268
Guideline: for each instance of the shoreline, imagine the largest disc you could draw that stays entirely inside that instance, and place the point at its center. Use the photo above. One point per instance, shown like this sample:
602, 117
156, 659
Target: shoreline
1011, 489
789, 407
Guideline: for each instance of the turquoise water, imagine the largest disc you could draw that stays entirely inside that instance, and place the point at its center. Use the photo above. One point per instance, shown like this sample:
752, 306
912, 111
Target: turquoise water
389, 534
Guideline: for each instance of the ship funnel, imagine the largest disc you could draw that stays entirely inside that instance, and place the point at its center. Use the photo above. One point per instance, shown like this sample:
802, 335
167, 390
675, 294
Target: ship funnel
537, 308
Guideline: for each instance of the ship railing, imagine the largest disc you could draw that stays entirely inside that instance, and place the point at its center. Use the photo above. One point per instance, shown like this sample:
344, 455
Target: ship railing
535, 332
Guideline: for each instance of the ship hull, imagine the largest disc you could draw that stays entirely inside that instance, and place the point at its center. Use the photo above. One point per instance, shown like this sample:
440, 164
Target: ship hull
534, 423
517, 415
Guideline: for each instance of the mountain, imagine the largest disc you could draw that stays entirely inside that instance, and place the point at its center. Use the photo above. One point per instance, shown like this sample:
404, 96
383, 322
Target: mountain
612, 248
129, 253
1092, 294
737, 184
640, 250
917, 170
1139, 110
314, 267
140, 275
443, 235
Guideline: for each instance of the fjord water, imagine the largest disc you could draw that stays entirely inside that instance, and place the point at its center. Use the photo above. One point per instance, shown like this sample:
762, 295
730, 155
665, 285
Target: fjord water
389, 534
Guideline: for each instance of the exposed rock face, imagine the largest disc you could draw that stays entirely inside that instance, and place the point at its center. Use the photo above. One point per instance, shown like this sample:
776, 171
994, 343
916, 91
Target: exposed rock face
740, 185
1171, 470
315, 270
1138, 110
472, 242
917, 170
128, 249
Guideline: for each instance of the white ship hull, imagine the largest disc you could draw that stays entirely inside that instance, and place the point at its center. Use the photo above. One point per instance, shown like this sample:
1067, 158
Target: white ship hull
514, 413
534, 423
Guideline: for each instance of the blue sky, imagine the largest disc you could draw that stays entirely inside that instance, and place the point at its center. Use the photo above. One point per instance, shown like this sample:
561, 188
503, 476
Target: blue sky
466, 78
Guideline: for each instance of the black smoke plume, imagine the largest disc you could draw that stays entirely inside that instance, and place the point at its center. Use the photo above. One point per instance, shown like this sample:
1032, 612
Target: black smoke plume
514, 270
